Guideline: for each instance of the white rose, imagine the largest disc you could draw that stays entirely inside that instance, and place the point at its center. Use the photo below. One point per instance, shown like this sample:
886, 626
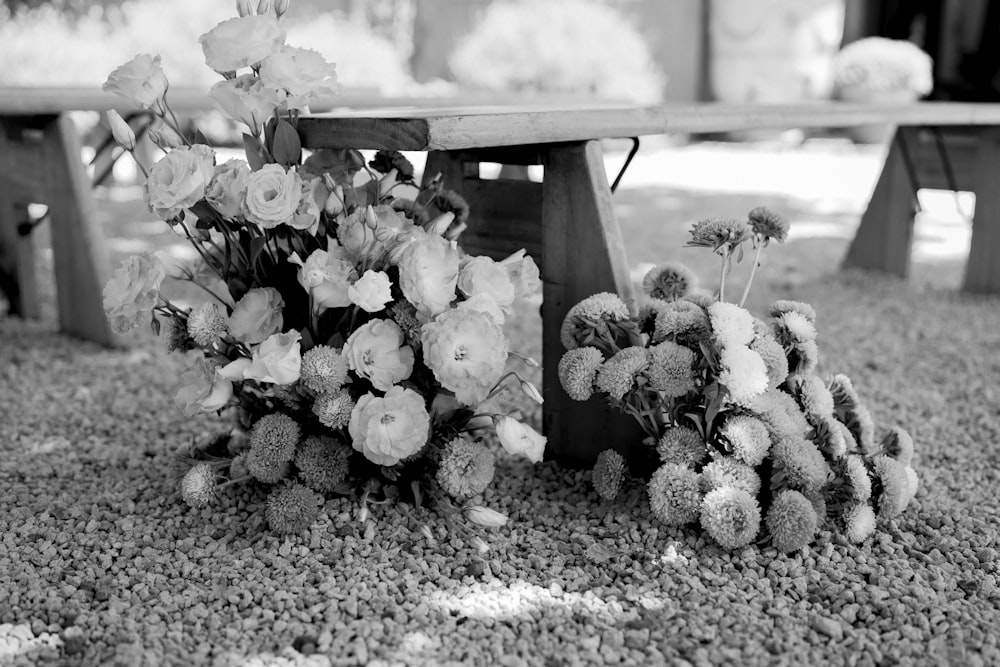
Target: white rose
482, 275
389, 429
327, 276
376, 352
428, 273
369, 232
278, 359
203, 389
227, 187
301, 73
523, 273
241, 42
517, 438
178, 180
272, 196
257, 315
371, 291
140, 80
244, 99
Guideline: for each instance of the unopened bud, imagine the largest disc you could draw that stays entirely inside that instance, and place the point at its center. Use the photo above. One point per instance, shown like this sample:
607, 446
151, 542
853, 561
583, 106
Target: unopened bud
479, 545
484, 516
165, 137
281, 6
439, 225
532, 392
334, 202
264, 7
243, 8
121, 131
387, 182
454, 232
426, 531
371, 219
363, 513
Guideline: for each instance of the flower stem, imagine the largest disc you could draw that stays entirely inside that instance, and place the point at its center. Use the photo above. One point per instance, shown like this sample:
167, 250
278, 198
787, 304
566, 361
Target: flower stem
723, 272
753, 270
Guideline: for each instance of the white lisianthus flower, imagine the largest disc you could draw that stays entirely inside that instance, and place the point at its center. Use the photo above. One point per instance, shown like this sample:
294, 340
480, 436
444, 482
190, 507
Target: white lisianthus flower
203, 389
277, 360
327, 276
227, 188
519, 439
272, 196
428, 273
371, 291
242, 42
376, 352
482, 275
257, 315
483, 303
391, 428
245, 100
466, 350
132, 292
369, 232
121, 130
178, 180
306, 216
140, 80
743, 373
731, 325
523, 273
303, 74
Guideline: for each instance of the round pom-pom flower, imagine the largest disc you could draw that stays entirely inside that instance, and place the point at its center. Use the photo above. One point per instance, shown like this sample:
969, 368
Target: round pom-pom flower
803, 358
238, 467
683, 446
198, 485
813, 395
466, 350
674, 494
856, 475
828, 436
781, 414
291, 508
800, 463
680, 320
668, 282
272, 446
578, 370
670, 369
322, 463
608, 474
748, 437
324, 369
731, 325
466, 468
767, 224
589, 316
791, 520
743, 373
774, 358
617, 376
859, 421
859, 522
912, 484
334, 410
894, 486
781, 306
715, 233
731, 516
391, 428
844, 395
899, 445
727, 471
207, 324
793, 328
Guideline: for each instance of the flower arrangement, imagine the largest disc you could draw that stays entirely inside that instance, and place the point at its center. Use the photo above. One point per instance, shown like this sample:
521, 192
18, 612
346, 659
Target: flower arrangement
879, 64
356, 342
744, 437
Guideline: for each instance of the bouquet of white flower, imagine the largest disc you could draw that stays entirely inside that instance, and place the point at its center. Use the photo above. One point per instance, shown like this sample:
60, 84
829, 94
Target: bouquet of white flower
352, 334
739, 425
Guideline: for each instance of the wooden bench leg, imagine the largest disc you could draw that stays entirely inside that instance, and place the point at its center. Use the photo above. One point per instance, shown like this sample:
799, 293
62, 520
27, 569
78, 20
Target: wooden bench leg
982, 273
17, 257
80, 258
885, 236
583, 253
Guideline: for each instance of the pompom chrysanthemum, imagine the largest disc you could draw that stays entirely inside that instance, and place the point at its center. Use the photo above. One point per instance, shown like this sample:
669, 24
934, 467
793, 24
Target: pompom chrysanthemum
728, 471
670, 369
292, 508
176, 334
715, 233
748, 437
774, 359
198, 485
466, 468
324, 369
322, 463
799, 463
680, 319
856, 475
781, 414
828, 436
617, 376
850, 443
577, 371
899, 445
681, 445
743, 373
813, 396
608, 474
859, 522
334, 410
893, 483
780, 307
404, 314
591, 314
272, 446
766, 223
859, 421
803, 358
207, 324
844, 396
791, 520
912, 484
731, 325
674, 495
793, 328
819, 506
668, 282
238, 467
731, 516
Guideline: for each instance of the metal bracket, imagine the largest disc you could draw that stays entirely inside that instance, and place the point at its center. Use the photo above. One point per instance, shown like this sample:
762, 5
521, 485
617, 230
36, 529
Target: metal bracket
628, 161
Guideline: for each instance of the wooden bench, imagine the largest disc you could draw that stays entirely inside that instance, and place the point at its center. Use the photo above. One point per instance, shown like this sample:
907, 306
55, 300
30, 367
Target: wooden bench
568, 221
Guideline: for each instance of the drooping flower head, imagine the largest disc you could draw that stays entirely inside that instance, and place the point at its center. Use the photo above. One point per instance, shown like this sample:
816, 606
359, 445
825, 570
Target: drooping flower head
618, 374
391, 428
798, 464
748, 437
859, 522
272, 446
466, 350
781, 414
519, 439
793, 328
782, 306
608, 474
861, 425
791, 521
578, 370
813, 396
593, 320
322, 463
207, 324
674, 494
133, 291
856, 476
291, 508
719, 234
324, 369
731, 324
912, 484
680, 445
198, 485
803, 358
466, 468
668, 282
899, 445
828, 436
768, 225
774, 358
728, 471
731, 516
334, 409
844, 395
893, 485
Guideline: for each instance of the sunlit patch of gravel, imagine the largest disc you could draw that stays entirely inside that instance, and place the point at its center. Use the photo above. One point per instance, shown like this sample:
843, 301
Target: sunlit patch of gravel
101, 563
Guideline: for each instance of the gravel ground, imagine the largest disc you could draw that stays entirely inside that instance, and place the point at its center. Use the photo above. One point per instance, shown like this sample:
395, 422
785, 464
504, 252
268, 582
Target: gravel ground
102, 564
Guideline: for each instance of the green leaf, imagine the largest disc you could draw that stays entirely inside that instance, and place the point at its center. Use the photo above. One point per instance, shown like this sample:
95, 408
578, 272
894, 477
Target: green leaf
286, 146
269, 127
257, 245
154, 324
256, 155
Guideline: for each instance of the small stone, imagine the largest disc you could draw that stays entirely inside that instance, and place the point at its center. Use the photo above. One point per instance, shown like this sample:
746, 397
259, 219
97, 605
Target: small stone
74, 644
850, 613
305, 645
829, 627
475, 569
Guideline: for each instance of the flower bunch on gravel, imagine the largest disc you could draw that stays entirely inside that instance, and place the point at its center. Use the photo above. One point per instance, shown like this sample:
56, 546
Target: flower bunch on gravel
345, 329
744, 437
